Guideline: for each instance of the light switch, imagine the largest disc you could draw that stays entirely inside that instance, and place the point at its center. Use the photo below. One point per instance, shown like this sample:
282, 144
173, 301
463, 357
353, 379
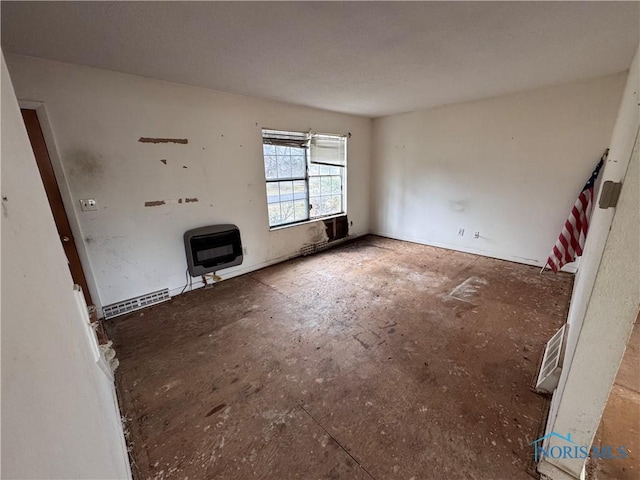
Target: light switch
88, 204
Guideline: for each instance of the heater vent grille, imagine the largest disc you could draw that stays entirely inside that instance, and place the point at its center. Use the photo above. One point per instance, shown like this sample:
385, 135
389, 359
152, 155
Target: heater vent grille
550, 368
314, 248
135, 303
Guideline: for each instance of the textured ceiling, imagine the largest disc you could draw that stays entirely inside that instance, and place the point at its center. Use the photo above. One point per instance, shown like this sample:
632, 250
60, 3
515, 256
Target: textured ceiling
367, 58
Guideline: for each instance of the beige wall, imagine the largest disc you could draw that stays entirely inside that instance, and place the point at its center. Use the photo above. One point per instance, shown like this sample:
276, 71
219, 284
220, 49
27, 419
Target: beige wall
60, 418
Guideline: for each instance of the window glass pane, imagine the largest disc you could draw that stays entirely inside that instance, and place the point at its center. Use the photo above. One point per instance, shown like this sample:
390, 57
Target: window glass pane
314, 169
270, 167
298, 165
286, 191
314, 186
336, 185
301, 210
274, 214
284, 166
299, 190
287, 209
314, 202
328, 170
326, 205
283, 151
273, 192
325, 185
317, 206
335, 204
269, 149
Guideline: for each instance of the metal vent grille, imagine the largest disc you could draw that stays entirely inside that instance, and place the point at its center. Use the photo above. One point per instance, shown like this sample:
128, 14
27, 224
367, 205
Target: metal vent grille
136, 303
314, 248
550, 368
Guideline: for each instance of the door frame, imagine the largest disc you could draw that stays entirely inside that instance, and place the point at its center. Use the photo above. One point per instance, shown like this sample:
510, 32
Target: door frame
65, 193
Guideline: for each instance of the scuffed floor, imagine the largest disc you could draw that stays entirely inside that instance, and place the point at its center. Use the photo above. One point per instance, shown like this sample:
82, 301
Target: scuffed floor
378, 359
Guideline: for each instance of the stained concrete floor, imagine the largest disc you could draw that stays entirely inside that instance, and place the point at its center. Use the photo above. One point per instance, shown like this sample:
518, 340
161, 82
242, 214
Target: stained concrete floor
378, 359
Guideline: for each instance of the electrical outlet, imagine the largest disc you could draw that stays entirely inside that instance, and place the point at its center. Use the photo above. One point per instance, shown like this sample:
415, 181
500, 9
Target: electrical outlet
88, 204
476, 234
244, 250
461, 231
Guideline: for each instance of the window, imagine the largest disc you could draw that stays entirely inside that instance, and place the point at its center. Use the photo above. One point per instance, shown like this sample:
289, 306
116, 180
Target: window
305, 175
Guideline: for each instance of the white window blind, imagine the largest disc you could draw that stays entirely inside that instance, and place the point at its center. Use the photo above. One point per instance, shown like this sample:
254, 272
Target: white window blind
328, 150
284, 139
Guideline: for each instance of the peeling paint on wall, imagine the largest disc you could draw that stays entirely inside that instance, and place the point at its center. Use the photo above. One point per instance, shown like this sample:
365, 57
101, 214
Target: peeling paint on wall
157, 203
182, 141
317, 233
154, 203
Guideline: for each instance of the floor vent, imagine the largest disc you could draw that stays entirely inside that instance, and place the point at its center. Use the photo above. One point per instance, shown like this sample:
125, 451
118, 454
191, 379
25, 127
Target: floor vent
551, 363
136, 303
314, 248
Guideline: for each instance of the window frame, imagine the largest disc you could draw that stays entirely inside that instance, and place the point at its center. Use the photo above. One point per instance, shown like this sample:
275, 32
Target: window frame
307, 176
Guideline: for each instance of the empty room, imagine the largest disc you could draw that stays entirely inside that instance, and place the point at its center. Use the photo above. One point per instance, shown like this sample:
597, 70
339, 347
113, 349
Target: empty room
320, 240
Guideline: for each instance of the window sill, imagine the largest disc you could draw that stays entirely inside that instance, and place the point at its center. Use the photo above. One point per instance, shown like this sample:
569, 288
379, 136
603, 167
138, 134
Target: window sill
307, 222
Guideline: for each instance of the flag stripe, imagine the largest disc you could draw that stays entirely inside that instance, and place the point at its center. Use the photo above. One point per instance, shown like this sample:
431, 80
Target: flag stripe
570, 243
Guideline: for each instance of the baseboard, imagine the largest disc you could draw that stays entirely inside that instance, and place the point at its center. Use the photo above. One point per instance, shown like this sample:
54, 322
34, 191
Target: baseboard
259, 266
475, 251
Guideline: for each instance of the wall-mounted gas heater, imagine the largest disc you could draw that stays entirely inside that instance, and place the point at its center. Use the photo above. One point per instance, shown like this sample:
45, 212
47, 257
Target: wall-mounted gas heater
212, 248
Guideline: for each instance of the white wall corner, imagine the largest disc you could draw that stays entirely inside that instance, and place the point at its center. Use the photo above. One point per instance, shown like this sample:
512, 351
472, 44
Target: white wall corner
57, 406
605, 300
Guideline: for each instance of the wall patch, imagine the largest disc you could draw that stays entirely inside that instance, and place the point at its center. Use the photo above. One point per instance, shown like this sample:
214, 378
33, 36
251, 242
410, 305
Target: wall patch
182, 141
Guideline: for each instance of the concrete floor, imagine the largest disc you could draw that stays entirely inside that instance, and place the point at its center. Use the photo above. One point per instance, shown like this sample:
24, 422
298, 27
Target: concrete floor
620, 424
378, 359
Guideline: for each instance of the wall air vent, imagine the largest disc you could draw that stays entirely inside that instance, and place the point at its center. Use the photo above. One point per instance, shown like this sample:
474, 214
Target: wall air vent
136, 303
312, 248
551, 362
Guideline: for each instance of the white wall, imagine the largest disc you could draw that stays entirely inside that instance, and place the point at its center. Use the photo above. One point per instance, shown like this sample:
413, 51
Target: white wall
622, 141
510, 167
97, 117
606, 292
60, 418
610, 315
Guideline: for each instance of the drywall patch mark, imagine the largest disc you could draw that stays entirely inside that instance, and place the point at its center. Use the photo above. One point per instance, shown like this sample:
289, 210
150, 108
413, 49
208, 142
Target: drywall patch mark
458, 205
157, 203
182, 141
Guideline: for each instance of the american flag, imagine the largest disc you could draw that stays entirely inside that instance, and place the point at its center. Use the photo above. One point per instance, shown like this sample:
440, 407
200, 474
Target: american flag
574, 233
